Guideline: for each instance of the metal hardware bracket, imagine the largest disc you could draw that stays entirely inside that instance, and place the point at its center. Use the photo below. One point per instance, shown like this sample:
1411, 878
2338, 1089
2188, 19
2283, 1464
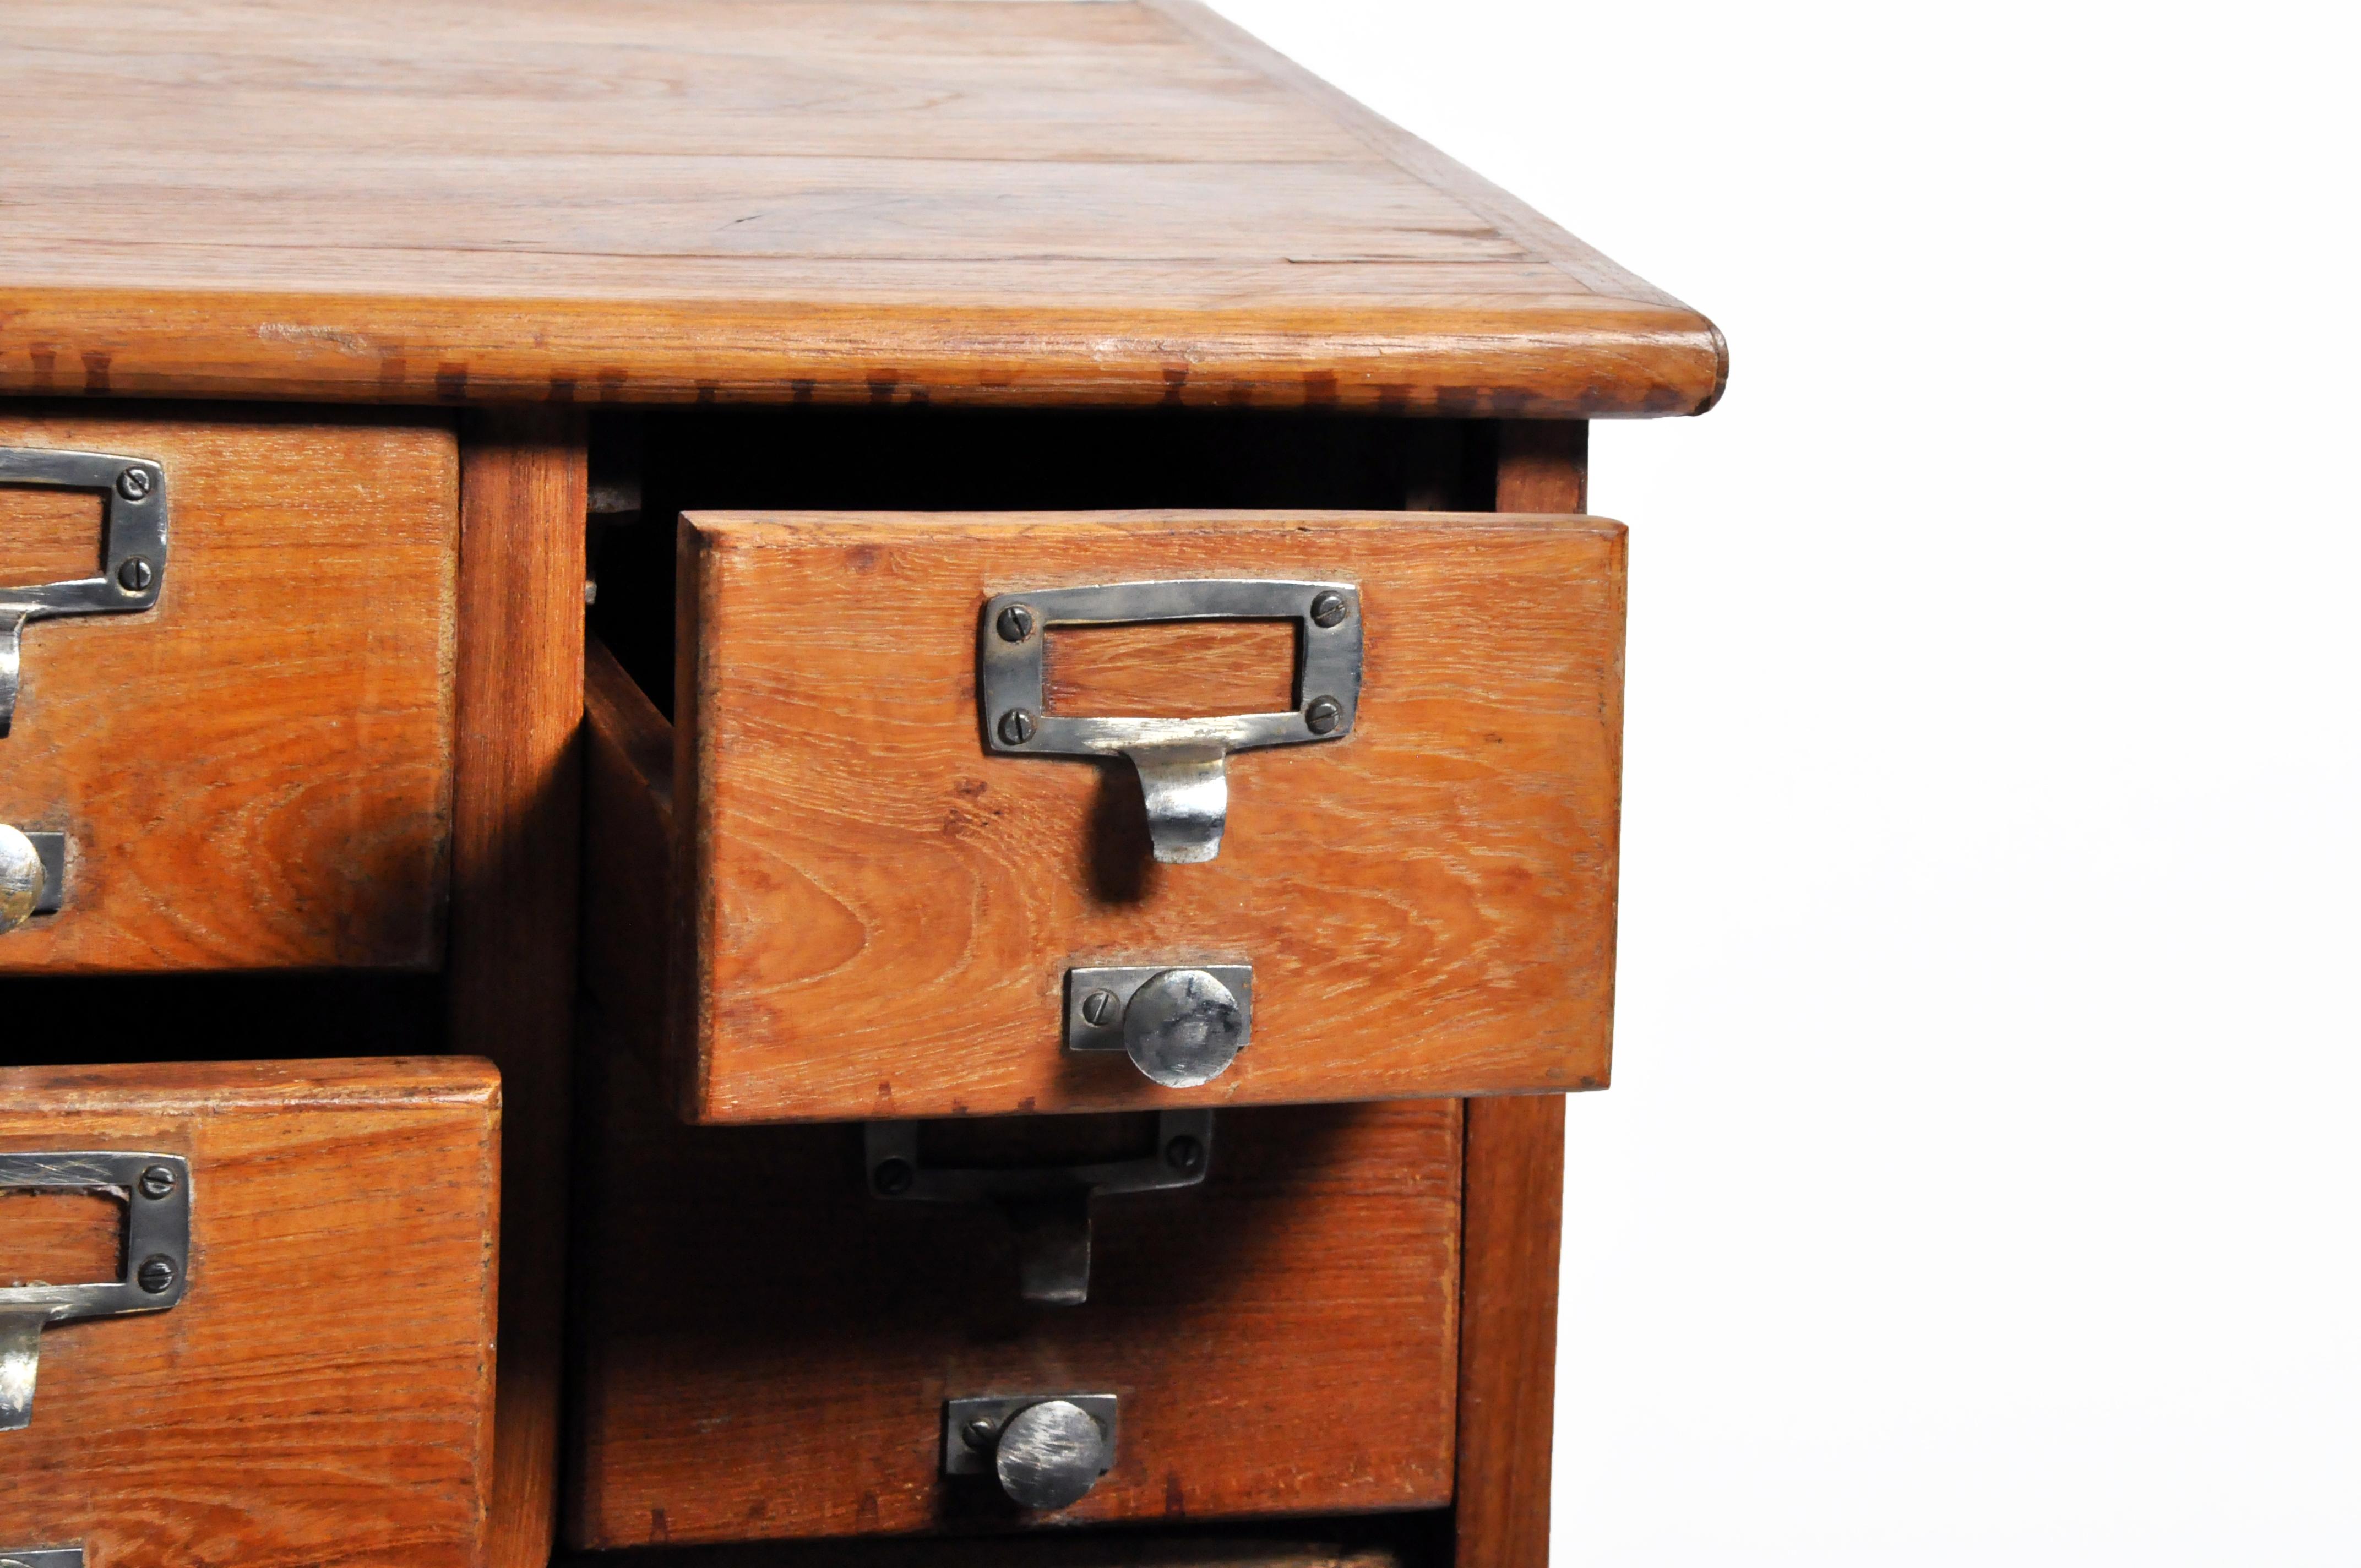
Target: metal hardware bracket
1182, 763
1189, 1034
1047, 1206
131, 573
51, 848
155, 1191
988, 1435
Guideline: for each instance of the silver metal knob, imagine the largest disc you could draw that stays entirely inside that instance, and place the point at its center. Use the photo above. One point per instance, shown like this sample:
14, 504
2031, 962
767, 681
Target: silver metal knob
1183, 1027
21, 878
1051, 1454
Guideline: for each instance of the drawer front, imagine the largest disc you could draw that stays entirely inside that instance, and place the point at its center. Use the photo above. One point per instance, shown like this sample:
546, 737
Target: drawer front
769, 1349
880, 897
319, 1387
254, 771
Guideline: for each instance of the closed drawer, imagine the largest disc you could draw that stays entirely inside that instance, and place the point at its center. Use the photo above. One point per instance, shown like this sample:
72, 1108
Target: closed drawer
247, 762
769, 1350
887, 895
317, 1386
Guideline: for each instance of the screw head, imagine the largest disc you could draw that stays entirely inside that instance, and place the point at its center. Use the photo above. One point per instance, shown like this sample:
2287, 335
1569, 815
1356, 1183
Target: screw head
981, 1433
156, 1275
1323, 714
893, 1176
133, 484
1184, 1153
1015, 624
135, 575
157, 1182
1327, 608
1100, 1009
1015, 726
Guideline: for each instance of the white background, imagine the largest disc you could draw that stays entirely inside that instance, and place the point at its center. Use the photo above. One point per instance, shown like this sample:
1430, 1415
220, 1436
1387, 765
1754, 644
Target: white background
1980, 1180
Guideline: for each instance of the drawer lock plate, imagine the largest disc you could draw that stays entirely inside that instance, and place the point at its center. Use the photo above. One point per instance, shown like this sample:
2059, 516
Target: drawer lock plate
1047, 1450
1183, 764
154, 1188
132, 550
1181, 1025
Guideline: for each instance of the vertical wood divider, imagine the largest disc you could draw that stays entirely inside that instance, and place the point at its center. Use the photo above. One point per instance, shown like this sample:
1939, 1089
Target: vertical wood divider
1514, 1195
515, 847
1544, 466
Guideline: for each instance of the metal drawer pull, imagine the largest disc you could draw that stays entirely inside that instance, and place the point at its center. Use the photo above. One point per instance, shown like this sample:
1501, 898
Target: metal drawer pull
1047, 1450
1049, 1207
45, 1557
1181, 1025
1182, 763
133, 553
154, 1188
32, 875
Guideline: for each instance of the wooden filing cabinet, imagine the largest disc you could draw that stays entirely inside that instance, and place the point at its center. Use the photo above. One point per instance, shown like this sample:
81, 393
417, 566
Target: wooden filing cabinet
964, 639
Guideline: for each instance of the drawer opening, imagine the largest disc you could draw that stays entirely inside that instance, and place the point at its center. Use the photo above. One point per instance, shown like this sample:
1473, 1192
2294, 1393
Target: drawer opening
649, 466
60, 1237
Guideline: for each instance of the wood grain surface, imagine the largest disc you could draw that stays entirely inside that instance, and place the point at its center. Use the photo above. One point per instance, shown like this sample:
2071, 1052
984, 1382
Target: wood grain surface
256, 772
321, 1396
875, 916
766, 1348
514, 914
829, 201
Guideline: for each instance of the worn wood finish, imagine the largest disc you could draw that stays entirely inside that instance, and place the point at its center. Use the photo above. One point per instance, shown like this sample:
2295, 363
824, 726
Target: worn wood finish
876, 916
514, 911
323, 1394
766, 1348
256, 772
1028, 202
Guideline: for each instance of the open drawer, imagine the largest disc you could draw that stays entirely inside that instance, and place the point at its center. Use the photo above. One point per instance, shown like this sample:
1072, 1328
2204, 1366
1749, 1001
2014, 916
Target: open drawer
971, 813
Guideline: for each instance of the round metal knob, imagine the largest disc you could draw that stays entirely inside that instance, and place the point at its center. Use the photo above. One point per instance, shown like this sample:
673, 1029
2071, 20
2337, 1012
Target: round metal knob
1183, 1027
20, 878
1050, 1454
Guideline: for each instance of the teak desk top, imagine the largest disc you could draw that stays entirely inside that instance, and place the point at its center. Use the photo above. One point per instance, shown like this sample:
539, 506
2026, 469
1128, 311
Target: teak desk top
829, 201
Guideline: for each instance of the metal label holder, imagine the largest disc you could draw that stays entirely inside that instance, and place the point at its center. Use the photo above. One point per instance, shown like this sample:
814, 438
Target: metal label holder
154, 1193
133, 549
1049, 1207
1182, 763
